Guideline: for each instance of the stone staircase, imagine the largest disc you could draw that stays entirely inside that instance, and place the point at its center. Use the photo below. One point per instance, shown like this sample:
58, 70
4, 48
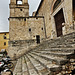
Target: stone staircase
52, 57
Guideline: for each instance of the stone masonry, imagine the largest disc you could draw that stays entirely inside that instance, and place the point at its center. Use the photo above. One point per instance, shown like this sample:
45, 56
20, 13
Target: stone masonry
42, 44
46, 9
24, 28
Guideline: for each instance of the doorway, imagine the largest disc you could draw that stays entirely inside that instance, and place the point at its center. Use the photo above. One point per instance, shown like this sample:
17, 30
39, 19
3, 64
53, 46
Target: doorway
59, 19
38, 39
74, 9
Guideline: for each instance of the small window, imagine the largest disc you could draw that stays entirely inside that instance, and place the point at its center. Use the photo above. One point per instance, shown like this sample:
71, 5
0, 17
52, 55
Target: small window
30, 29
42, 28
20, 9
36, 17
4, 37
4, 43
19, 2
5, 34
25, 19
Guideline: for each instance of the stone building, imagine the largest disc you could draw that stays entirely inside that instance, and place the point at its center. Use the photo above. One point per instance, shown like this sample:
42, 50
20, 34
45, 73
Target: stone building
59, 16
53, 19
4, 38
24, 27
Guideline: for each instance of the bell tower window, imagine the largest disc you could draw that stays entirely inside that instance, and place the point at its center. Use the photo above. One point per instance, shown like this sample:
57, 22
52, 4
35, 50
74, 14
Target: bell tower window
18, 2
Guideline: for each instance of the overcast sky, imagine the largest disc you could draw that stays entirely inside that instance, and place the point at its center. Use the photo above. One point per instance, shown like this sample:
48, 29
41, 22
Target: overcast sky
4, 12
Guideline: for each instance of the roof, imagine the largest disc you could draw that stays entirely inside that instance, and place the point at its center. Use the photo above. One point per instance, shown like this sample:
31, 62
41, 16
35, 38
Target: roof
3, 32
39, 7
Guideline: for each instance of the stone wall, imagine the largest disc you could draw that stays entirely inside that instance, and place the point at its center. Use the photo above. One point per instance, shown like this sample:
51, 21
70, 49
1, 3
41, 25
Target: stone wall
23, 32
18, 48
46, 10
26, 28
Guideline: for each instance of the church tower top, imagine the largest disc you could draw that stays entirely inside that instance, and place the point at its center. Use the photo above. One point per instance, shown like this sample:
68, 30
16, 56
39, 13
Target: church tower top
19, 8
18, 1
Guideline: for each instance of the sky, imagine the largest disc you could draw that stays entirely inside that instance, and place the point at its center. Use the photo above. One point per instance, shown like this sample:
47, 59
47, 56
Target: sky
4, 12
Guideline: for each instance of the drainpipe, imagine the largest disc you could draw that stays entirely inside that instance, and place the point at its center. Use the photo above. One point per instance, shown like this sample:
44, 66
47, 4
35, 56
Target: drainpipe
44, 27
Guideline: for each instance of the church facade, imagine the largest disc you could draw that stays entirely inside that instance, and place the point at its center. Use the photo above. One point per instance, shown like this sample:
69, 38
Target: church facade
59, 16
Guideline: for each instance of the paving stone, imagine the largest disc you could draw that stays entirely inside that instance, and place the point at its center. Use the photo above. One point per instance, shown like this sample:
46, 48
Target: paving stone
31, 68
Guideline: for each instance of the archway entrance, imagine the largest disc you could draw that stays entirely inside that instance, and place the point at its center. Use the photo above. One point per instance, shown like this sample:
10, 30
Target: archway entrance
74, 9
59, 19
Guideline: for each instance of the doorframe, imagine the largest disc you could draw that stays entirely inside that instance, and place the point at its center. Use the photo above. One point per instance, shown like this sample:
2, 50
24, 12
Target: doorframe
53, 22
61, 25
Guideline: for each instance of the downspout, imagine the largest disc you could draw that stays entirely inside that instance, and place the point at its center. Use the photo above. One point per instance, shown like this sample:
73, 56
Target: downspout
44, 27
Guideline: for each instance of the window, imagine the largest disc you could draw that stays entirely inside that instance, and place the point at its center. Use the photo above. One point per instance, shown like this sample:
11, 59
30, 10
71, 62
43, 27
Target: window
25, 19
42, 28
56, 4
4, 37
30, 29
5, 34
36, 17
18, 1
20, 9
4, 43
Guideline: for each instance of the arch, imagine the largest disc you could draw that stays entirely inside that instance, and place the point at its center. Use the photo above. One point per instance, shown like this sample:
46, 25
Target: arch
55, 3
19, 2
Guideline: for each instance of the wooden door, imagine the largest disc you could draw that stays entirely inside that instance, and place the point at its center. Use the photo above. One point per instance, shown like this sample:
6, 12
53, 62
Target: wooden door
59, 19
37, 39
74, 9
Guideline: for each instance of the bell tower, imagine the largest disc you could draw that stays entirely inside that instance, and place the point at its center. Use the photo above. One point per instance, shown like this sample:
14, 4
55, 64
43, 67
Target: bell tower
19, 8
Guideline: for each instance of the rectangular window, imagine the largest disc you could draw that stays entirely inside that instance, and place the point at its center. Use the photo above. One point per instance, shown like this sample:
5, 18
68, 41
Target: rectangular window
4, 37
5, 33
4, 43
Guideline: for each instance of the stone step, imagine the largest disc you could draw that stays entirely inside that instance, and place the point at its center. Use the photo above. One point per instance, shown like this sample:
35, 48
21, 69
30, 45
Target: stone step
63, 46
57, 45
67, 53
48, 52
41, 69
53, 59
53, 56
59, 50
61, 39
30, 66
18, 67
24, 67
47, 63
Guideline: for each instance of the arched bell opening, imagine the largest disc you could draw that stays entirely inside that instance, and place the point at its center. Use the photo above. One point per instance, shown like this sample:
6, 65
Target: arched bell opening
19, 2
